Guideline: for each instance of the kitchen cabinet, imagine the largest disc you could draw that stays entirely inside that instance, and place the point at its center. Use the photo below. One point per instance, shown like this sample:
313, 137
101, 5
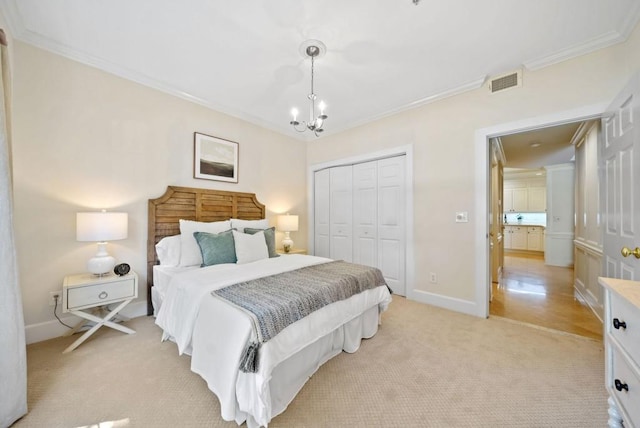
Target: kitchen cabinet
536, 199
519, 238
535, 237
515, 237
529, 238
524, 196
515, 200
506, 237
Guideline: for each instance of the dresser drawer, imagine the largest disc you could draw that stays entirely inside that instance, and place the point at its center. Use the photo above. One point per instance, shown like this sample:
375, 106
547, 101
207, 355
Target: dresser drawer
100, 294
628, 389
627, 318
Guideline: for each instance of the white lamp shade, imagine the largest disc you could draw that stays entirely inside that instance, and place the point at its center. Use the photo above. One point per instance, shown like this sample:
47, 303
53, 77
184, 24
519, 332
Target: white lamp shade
101, 226
288, 223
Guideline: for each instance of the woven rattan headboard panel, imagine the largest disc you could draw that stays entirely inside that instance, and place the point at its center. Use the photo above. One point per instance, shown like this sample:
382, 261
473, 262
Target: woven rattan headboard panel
190, 203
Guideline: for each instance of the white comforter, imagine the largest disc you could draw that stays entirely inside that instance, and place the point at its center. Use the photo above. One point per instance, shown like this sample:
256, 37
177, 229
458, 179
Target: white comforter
215, 333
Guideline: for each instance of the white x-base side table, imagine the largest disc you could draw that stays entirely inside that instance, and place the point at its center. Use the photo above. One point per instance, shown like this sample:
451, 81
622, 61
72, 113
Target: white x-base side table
84, 292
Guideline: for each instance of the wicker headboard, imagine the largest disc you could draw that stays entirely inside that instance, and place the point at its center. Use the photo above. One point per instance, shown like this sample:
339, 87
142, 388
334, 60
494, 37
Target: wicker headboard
190, 203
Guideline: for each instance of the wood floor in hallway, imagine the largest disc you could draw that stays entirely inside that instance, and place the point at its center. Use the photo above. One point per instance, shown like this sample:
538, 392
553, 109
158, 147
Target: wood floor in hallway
531, 292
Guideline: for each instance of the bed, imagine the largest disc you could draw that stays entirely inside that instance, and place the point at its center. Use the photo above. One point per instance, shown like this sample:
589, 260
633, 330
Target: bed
217, 333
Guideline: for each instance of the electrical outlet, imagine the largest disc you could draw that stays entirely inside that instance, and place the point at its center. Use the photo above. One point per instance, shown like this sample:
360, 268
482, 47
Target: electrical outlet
433, 278
52, 298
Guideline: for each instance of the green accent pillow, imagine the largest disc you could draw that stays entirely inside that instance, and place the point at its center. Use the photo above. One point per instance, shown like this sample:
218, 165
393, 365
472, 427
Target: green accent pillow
269, 237
216, 248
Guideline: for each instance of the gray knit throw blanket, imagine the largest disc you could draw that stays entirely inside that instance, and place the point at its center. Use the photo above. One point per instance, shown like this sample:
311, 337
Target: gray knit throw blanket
276, 301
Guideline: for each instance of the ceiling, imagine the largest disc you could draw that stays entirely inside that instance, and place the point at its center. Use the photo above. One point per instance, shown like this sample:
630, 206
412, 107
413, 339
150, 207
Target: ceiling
540, 147
242, 57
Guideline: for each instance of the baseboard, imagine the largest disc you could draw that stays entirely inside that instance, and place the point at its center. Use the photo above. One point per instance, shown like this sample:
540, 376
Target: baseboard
451, 303
587, 297
51, 329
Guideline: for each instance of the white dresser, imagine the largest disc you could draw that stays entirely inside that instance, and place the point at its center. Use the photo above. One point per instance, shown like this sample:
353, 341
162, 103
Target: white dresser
622, 351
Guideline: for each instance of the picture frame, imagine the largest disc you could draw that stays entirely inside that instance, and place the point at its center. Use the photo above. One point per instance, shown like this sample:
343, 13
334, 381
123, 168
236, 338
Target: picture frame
215, 158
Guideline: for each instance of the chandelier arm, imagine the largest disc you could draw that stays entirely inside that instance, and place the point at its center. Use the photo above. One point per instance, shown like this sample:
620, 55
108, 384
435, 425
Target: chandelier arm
315, 123
304, 127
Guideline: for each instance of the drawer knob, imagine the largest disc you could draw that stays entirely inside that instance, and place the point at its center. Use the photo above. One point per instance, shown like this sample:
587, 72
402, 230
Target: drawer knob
617, 324
620, 386
103, 295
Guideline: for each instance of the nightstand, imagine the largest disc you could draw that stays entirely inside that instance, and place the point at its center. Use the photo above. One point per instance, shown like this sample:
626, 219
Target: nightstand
294, 251
86, 291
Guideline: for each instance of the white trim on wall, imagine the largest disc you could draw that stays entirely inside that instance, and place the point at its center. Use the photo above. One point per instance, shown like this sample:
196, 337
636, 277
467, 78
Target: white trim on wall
481, 148
406, 150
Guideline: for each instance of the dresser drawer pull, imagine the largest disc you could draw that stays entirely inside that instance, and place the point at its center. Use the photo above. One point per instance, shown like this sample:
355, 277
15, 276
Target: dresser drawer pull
104, 295
620, 386
617, 324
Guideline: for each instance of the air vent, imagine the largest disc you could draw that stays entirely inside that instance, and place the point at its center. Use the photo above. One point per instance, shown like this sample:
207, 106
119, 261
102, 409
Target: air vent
506, 81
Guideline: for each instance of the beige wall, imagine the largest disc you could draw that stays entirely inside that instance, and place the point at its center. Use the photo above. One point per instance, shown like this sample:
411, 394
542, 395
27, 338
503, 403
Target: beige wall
442, 135
85, 140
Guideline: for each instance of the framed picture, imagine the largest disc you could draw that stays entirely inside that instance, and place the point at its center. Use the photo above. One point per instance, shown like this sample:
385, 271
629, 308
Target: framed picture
215, 158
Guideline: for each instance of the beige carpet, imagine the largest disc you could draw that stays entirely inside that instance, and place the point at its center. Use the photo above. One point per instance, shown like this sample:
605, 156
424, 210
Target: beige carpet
426, 367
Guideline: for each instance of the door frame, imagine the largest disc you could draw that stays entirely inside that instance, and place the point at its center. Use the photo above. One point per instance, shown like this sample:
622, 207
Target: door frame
407, 151
483, 183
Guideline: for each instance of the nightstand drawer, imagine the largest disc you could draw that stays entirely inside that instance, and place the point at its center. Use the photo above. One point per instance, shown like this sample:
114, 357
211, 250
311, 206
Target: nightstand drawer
100, 294
294, 251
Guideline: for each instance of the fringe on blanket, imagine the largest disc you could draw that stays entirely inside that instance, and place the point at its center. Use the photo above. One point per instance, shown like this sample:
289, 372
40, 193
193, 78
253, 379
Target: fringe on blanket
250, 358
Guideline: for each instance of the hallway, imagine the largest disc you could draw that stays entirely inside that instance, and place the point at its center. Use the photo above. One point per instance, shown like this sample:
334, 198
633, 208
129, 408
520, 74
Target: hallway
531, 292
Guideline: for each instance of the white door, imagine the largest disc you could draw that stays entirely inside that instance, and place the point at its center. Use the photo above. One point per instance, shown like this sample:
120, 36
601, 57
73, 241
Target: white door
620, 163
321, 195
391, 222
341, 213
365, 219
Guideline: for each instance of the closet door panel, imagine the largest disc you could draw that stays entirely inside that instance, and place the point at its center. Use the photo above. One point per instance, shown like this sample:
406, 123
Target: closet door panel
341, 213
365, 199
392, 265
321, 214
391, 216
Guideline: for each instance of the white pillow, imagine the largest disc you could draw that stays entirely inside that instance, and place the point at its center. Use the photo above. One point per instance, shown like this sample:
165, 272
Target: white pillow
168, 250
250, 248
190, 254
239, 225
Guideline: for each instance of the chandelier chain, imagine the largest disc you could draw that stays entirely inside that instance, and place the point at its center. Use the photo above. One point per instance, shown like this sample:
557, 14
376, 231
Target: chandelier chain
315, 123
312, 74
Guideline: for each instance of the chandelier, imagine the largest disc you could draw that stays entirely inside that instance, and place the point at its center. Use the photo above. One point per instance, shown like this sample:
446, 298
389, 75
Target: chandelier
311, 49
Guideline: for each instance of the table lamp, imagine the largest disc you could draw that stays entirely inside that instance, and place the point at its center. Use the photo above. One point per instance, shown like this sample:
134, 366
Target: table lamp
287, 223
101, 227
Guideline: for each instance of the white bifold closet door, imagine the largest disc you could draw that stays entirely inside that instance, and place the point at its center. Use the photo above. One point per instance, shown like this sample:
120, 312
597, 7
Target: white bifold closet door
364, 222
322, 211
341, 207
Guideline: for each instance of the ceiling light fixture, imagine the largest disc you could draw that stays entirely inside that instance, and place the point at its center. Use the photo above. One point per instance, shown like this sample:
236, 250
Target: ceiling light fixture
311, 49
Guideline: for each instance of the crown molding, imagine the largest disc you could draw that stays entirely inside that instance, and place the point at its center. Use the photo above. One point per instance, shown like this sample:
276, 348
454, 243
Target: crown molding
470, 86
39, 41
609, 39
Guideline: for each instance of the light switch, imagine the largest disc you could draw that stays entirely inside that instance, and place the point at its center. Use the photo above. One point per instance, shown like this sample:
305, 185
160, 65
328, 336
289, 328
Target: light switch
462, 217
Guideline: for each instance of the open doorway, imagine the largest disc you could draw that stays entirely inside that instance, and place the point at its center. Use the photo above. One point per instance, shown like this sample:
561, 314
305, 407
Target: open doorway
535, 280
